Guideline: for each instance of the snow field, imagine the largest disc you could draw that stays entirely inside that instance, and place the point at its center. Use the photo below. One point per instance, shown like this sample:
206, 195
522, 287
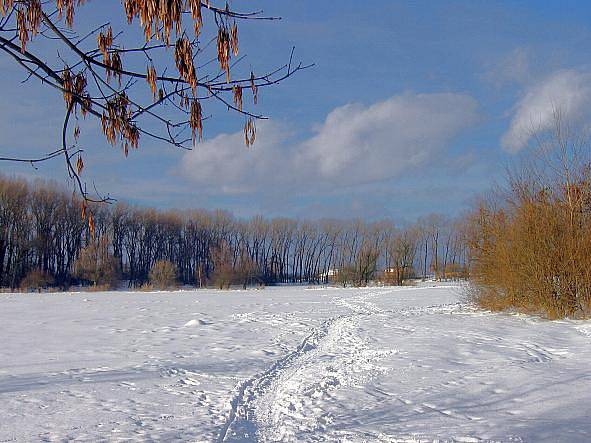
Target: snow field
288, 364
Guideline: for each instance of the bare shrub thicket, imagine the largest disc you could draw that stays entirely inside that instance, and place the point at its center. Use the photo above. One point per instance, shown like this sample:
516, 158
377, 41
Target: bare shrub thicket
346, 276
531, 244
234, 268
163, 275
246, 270
97, 265
222, 266
362, 270
36, 280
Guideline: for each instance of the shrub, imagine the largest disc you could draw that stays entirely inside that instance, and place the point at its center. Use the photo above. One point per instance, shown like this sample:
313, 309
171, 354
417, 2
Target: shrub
97, 265
530, 247
536, 256
36, 280
163, 275
396, 276
347, 275
455, 271
229, 270
223, 269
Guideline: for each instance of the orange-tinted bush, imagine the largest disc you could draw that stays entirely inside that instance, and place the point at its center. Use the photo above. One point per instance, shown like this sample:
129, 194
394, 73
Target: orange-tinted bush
534, 252
36, 280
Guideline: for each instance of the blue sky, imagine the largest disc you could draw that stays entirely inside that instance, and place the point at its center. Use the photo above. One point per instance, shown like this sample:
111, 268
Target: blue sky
411, 108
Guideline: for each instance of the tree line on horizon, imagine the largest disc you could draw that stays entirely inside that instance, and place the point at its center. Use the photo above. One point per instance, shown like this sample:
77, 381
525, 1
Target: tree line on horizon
525, 246
45, 242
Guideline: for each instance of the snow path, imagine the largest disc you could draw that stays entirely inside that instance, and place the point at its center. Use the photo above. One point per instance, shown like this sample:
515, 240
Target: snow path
288, 364
241, 424
274, 398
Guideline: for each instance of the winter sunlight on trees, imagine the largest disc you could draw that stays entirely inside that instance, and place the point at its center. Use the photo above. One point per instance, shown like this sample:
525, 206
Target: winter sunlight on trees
207, 235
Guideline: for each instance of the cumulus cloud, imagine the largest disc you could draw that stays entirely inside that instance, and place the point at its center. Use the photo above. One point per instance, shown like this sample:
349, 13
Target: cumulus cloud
355, 144
359, 144
226, 165
566, 91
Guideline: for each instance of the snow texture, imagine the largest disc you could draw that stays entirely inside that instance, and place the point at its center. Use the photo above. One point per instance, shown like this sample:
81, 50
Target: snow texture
288, 364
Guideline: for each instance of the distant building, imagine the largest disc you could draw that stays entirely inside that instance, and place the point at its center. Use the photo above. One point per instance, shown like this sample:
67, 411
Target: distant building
330, 274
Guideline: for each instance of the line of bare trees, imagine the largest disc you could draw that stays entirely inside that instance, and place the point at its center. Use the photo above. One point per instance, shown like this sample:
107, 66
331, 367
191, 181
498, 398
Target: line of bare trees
42, 234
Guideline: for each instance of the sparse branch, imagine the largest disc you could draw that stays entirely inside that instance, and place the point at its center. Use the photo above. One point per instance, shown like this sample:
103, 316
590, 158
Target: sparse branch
106, 80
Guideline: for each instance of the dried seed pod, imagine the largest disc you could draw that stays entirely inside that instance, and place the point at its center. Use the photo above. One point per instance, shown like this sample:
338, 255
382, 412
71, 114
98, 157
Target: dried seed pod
68, 7
249, 132
23, 32
91, 224
114, 67
5, 5
234, 39
254, 88
196, 120
195, 7
237, 91
104, 43
68, 86
158, 17
183, 57
151, 79
34, 16
223, 46
116, 122
79, 165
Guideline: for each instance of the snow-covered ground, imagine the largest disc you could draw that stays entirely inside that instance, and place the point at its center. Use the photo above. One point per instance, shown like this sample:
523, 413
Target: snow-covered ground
288, 364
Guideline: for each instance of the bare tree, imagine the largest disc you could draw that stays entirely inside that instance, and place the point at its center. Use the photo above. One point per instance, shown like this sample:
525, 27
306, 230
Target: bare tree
41, 229
402, 251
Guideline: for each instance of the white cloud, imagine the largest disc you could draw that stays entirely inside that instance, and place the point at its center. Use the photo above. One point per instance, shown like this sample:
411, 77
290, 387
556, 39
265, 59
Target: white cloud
567, 91
226, 165
359, 144
355, 144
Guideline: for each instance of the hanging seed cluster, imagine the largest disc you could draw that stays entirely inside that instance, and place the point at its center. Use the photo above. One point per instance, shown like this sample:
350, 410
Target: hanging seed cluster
161, 20
151, 78
183, 57
158, 17
250, 132
117, 125
112, 61
29, 15
196, 120
254, 88
74, 90
67, 6
237, 92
